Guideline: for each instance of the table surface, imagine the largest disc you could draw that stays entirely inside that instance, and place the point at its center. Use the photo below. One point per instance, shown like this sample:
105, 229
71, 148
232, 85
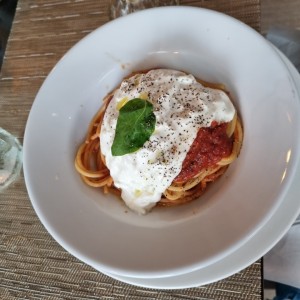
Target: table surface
32, 264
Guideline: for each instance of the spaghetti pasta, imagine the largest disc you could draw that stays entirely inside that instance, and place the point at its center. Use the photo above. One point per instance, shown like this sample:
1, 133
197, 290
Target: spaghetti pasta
90, 162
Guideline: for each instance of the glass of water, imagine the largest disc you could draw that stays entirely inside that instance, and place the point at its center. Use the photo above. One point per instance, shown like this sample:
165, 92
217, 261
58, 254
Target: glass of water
120, 8
10, 159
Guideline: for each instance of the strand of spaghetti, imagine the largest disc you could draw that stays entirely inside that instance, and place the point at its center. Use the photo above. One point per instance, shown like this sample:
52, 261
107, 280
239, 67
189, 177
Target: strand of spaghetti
79, 165
218, 86
88, 153
189, 196
194, 181
82, 162
190, 184
96, 183
237, 144
174, 193
231, 126
97, 119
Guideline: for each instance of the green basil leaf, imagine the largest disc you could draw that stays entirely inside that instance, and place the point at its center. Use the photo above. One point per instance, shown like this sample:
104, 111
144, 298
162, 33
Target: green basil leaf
135, 125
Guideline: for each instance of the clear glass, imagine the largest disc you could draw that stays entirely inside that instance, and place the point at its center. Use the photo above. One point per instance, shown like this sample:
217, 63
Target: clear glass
10, 159
120, 8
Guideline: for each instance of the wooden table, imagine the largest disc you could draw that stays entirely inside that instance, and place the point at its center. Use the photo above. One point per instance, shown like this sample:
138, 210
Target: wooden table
32, 264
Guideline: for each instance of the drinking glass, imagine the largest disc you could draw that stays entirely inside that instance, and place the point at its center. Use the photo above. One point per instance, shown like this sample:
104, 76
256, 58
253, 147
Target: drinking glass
10, 159
120, 8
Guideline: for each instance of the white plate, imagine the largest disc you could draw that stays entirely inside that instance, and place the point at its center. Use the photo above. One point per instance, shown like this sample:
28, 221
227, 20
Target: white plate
99, 229
251, 251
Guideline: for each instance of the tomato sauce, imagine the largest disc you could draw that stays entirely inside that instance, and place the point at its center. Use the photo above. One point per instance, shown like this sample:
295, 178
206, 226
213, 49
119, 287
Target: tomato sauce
210, 146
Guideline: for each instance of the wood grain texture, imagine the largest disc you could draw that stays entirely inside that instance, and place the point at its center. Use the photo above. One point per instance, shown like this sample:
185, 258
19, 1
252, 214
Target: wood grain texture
32, 264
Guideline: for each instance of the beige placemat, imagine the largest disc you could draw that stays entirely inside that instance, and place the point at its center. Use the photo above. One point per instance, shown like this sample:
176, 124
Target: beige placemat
32, 264
281, 13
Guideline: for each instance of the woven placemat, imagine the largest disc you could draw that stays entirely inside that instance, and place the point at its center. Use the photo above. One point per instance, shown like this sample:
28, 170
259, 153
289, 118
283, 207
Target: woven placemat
280, 13
32, 264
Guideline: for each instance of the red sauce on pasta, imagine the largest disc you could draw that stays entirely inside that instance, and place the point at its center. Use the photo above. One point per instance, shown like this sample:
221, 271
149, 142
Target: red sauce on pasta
210, 146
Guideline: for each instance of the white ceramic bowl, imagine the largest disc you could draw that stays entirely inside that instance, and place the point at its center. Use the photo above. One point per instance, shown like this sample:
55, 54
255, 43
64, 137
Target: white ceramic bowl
99, 229
255, 247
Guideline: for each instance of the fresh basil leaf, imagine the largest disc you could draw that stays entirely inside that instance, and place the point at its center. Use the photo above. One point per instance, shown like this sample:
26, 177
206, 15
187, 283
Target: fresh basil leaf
135, 125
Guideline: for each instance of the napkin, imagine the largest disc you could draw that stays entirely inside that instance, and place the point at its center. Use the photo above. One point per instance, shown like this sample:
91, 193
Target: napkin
288, 41
282, 263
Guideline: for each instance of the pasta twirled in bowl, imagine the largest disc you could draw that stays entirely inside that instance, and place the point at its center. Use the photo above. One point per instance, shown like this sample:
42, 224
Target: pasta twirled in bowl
160, 138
